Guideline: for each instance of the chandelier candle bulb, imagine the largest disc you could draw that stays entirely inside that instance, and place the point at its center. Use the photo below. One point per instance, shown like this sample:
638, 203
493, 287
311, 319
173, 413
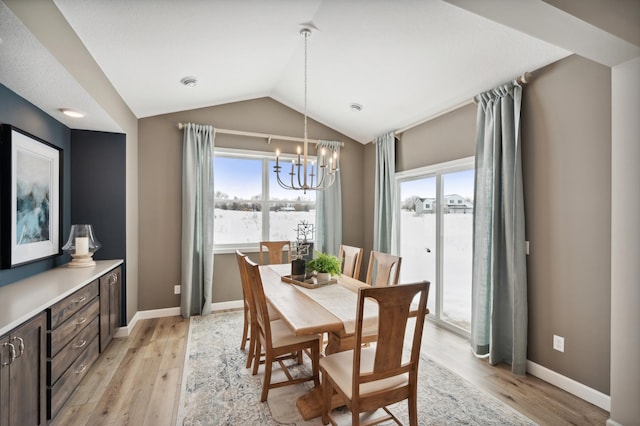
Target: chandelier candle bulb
277, 157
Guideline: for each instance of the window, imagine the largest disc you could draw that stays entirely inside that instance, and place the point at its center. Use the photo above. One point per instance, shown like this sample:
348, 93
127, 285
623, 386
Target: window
250, 206
436, 242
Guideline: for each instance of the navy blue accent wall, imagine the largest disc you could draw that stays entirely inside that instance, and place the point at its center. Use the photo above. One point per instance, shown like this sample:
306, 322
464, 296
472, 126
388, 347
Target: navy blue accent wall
98, 188
22, 114
98, 193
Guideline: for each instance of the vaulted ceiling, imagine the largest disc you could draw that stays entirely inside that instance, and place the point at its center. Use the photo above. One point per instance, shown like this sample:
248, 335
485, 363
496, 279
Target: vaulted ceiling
402, 61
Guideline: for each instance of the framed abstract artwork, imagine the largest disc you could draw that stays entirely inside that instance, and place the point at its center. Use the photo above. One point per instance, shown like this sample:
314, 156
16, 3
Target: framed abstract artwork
30, 198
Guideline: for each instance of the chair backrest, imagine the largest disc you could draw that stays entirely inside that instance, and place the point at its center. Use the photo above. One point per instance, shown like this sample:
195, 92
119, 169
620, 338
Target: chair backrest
394, 309
351, 258
244, 279
261, 313
381, 267
275, 252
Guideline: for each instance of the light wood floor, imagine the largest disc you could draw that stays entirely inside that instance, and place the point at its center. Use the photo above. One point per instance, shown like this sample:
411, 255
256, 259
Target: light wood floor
137, 381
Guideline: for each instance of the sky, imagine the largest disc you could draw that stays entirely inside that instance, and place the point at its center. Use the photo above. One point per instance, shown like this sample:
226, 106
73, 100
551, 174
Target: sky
460, 183
242, 178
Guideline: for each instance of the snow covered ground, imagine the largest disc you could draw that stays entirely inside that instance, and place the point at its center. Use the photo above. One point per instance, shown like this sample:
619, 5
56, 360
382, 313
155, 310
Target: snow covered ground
417, 235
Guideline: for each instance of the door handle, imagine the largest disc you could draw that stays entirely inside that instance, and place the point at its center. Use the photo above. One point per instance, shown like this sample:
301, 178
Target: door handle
12, 354
20, 346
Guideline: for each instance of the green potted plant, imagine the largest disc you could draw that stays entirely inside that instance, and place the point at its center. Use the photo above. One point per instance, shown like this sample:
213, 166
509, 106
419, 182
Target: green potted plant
325, 266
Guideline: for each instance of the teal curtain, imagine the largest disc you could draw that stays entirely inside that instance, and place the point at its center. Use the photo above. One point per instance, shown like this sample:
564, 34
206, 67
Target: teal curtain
384, 197
499, 294
329, 208
197, 220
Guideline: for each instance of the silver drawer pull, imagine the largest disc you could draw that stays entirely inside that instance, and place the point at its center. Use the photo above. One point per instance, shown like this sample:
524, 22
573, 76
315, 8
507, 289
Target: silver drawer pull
81, 321
81, 369
12, 354
20, 345
82, 299
80, 344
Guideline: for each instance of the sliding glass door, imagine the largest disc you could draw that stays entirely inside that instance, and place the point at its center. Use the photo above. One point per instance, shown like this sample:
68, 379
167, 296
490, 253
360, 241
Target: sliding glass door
435, 238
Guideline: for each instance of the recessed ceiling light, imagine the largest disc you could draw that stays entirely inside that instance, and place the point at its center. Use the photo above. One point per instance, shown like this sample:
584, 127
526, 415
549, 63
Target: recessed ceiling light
189, 81
356, 107
72, 113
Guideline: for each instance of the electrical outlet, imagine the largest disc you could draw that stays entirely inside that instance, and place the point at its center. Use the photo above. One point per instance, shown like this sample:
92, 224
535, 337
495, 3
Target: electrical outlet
526, 247
558, 343
176, 289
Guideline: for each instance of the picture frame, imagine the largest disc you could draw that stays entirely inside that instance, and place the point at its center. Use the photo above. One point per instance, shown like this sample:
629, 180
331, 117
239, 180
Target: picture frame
30, 198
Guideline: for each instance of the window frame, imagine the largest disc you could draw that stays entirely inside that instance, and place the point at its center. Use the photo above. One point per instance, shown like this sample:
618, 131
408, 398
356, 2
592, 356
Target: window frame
266, 157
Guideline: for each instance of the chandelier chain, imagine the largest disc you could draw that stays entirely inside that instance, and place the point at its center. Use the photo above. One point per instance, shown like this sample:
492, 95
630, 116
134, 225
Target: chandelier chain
307, 174
306, 36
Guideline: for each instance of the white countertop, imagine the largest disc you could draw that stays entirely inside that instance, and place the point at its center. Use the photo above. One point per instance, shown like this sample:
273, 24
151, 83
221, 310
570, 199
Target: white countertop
26, 298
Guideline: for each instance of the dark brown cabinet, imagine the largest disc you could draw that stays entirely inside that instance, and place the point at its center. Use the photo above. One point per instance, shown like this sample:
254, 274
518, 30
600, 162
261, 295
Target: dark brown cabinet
110, 288
72, 343
53, 327
22, 374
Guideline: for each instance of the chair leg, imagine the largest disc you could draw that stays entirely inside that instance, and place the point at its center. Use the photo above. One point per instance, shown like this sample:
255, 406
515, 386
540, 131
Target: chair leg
268, 364
252, 348
315, 364
413, 409
326, 394
256, 356
245, 329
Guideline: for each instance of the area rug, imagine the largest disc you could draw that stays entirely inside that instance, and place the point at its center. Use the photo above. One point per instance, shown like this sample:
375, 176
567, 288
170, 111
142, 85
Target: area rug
217, 389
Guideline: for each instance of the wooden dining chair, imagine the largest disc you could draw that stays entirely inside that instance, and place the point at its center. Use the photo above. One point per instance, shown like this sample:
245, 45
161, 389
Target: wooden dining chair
278, 340
249, 327
275, 251
373, 377
381, 268
351, 258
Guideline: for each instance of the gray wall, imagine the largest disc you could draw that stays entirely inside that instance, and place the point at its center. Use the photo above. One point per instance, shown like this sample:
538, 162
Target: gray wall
567, 173
566, 138
160, 149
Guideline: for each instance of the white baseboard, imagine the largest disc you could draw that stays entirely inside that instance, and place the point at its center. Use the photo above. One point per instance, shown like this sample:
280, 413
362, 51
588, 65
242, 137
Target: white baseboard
593, 396
141, 315
170, 312
613, 423
224, 306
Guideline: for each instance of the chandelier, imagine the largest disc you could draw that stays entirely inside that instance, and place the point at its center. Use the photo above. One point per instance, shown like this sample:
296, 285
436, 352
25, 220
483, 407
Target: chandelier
305, 174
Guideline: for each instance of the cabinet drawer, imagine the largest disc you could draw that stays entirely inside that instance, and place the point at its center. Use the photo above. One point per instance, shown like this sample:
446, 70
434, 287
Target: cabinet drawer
68, 306
63, 359
64, 387
72, 326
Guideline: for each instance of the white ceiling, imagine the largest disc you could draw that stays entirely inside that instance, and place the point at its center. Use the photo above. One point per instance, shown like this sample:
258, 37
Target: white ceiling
402, 61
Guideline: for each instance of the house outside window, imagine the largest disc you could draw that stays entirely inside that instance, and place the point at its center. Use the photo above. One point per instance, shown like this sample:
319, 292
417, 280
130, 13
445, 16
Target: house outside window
250, 206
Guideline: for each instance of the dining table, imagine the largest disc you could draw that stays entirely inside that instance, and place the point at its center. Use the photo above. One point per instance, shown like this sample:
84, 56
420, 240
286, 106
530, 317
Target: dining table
329, 309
